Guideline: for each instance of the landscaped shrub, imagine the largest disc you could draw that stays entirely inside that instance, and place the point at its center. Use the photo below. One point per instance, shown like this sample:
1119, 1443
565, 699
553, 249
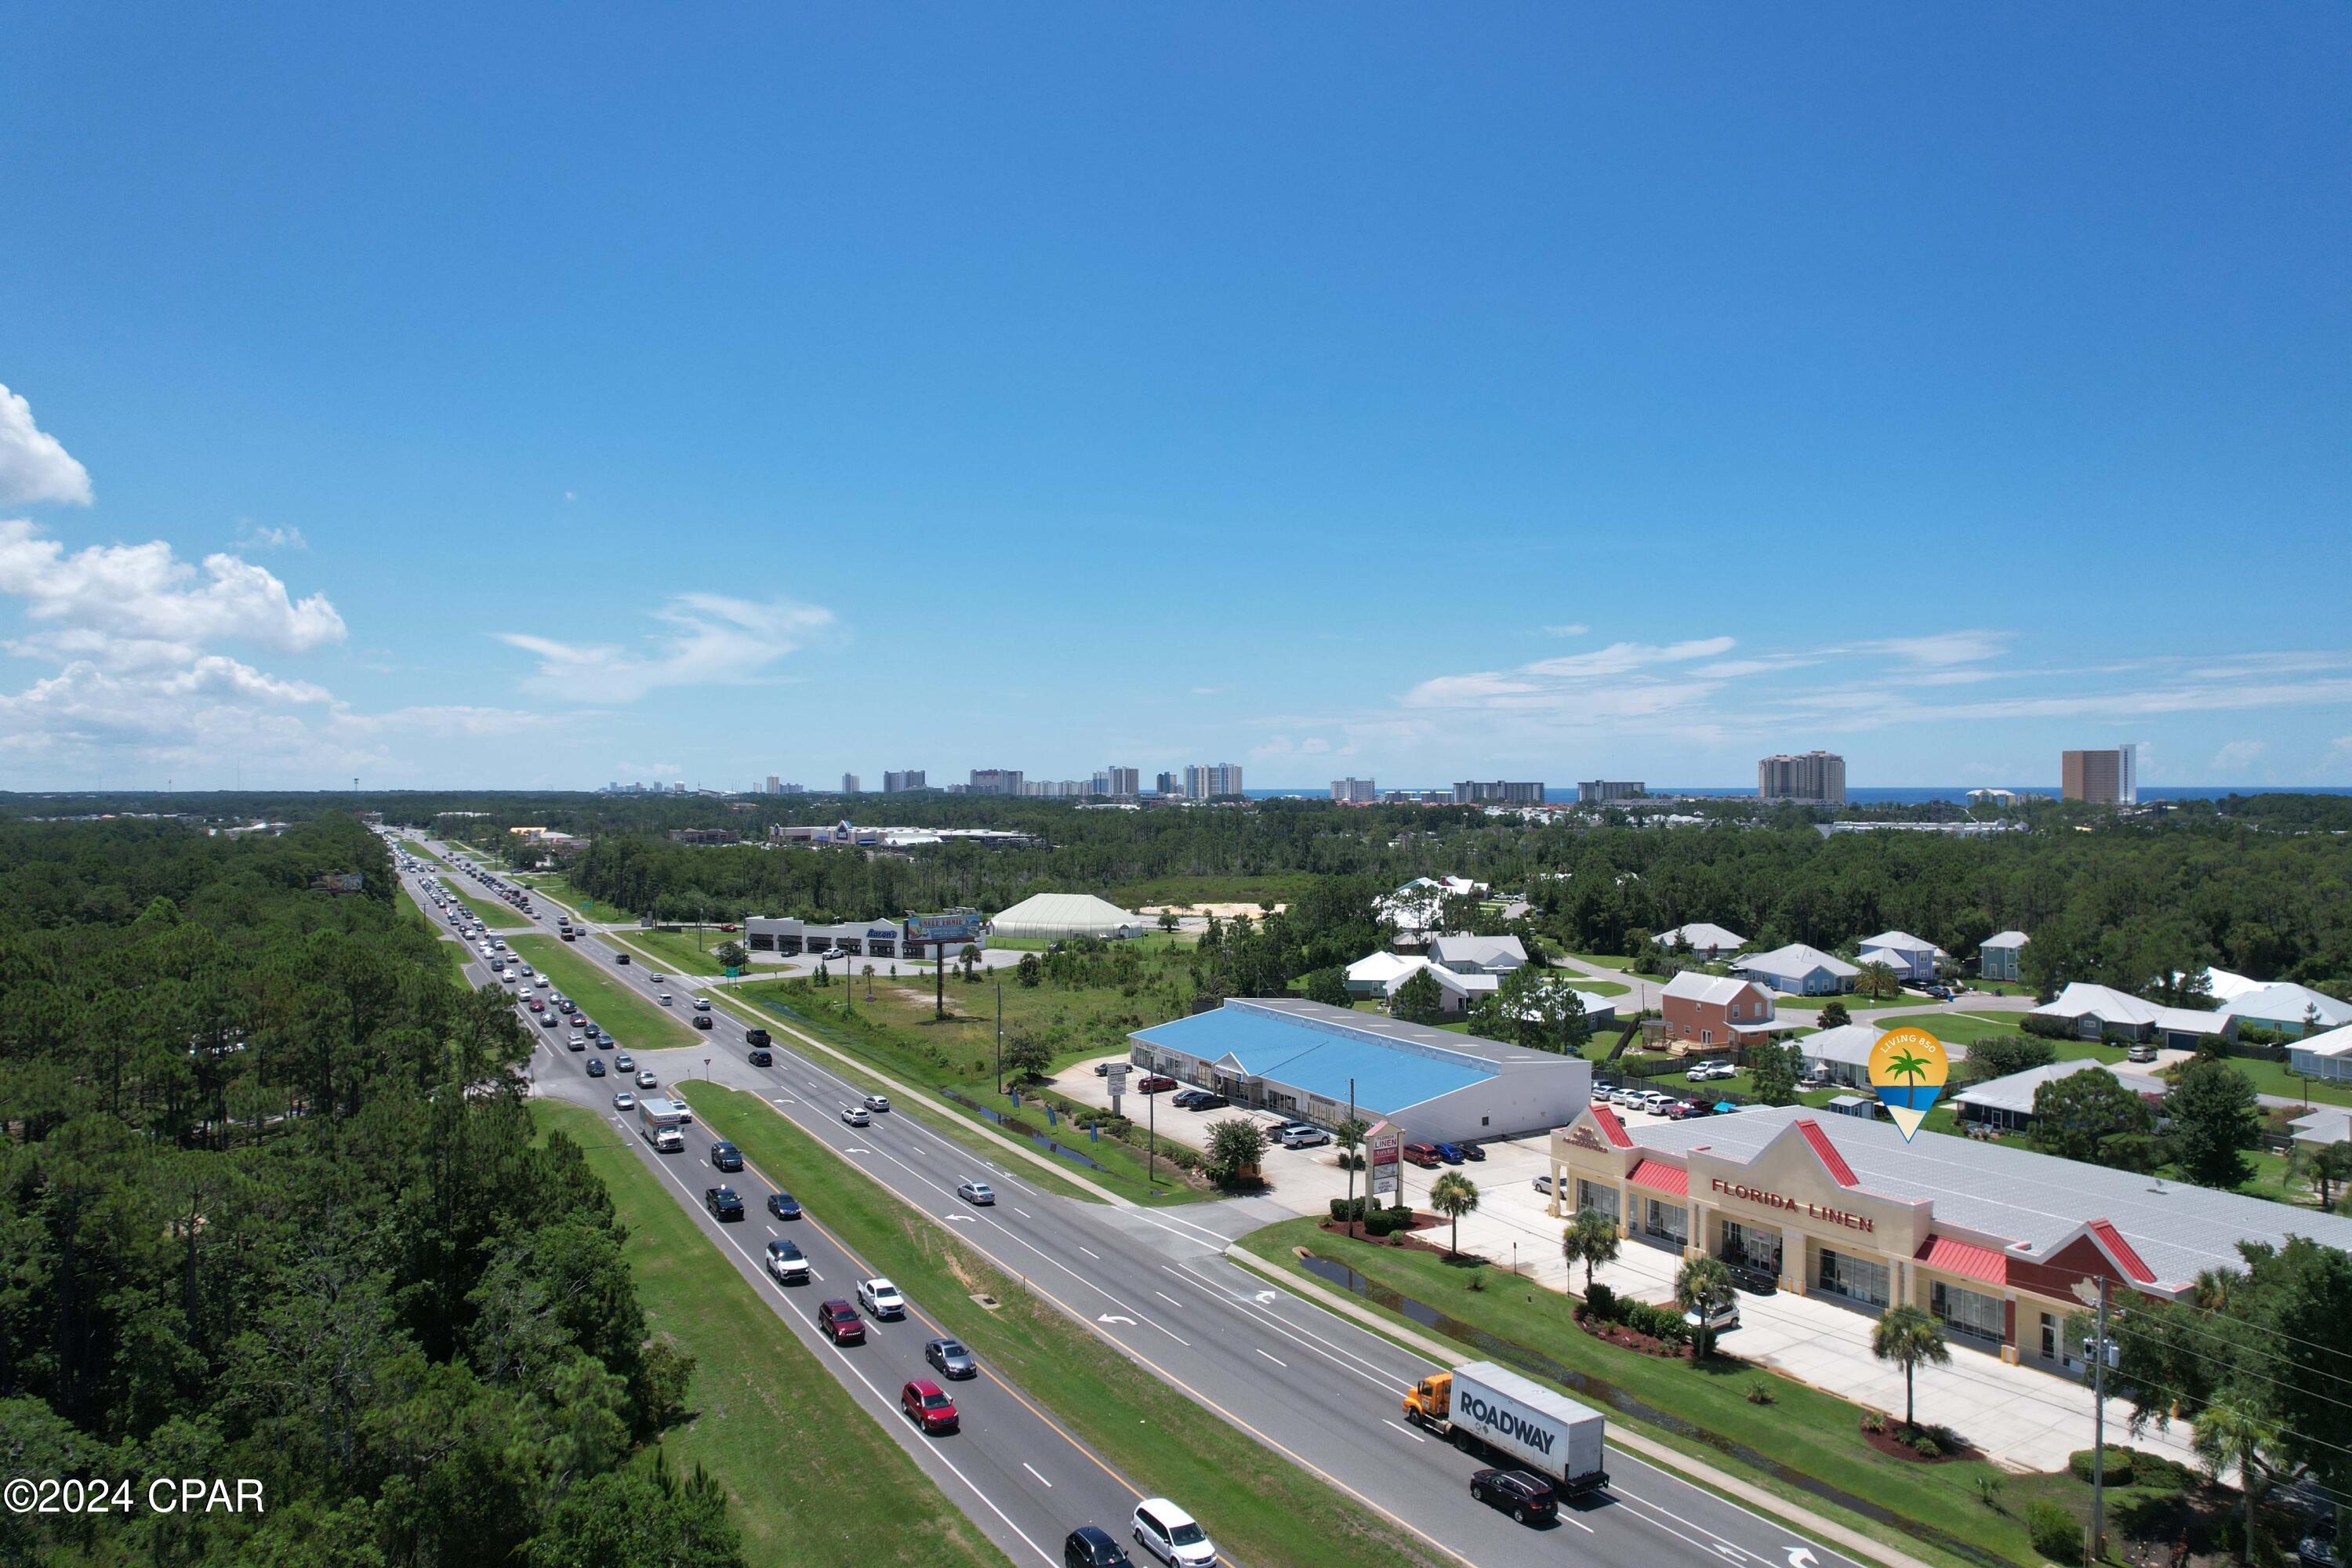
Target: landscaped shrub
2119, 1467
1873, 1421
1601, 1302
1377, 1223
2054, 1532
1926, 1446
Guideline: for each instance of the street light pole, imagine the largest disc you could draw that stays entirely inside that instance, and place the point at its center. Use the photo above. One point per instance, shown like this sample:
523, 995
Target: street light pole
2088, 1294
1000, 1036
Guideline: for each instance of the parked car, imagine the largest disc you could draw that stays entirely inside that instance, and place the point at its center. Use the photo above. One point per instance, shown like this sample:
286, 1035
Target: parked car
1450, 1152
723, 1203
1473, 1153
1208, 1103
2142, 1053
783, 1206
951, 1359
1154, 1084
1722, 1318
1524, 1495
1171, 1534
978, 1194
837, 1321
1543, 1185
928, 1405
786, 1263
726, 1156
1188, 1097
1090, 1547
1299, 1135
1425, 1155
1102, 1069
881, 1299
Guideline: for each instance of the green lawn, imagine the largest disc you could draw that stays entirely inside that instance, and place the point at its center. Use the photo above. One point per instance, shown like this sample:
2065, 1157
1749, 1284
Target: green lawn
606, 997
1965, 1028
1600, 987
2273, 1077
1251, 1500
959, 1056
1814, 1433
676, 950
1604, 959
811, 1476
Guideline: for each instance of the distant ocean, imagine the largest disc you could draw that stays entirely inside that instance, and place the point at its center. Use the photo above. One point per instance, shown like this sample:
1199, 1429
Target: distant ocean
1917, 796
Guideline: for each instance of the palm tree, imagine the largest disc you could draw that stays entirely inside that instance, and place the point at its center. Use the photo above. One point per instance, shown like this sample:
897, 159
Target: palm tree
2214, 1286
2326, 1168
1454, 1195
2230, 1432
1910, 1337
1591, 1238
869, 983
1350, 1136
1703, 1285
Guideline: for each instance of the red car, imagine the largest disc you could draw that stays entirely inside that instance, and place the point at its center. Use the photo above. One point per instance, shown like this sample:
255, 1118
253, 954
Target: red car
1425, 1155
838, 1320
927, 1404
1154, 1085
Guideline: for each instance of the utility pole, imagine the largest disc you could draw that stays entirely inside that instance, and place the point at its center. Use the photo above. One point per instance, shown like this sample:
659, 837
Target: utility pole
1000, 1036
1354, 1156
2090, 1294
1151, 1142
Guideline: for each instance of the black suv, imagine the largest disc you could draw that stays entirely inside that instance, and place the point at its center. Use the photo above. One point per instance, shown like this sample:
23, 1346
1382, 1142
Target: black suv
1088, 1547
761, 1059
702, 1020
722, 1202
1528, 1498
726, 1156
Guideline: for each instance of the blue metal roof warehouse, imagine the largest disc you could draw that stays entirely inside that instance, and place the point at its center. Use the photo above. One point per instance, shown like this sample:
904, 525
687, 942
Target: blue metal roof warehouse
1298, 1057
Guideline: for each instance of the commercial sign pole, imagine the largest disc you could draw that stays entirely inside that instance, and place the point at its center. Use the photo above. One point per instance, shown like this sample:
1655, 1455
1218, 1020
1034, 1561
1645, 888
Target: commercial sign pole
2097, 1295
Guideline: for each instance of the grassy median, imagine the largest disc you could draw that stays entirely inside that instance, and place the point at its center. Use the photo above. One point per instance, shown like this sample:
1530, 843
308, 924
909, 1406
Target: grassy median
813, 1477
495, 914
607, 997
1251, 1498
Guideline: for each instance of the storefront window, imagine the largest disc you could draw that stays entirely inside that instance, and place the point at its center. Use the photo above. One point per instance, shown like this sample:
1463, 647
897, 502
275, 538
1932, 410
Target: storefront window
1967, 1311
1750, 1245
1856, 1278
1666, 1222
1595, 1196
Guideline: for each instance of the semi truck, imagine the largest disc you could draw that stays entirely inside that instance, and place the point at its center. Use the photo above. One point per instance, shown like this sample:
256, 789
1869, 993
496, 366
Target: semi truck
1485, 1407
659, 1121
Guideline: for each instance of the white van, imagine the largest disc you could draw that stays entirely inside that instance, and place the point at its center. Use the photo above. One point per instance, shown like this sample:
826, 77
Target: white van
1171, 1534
665, 998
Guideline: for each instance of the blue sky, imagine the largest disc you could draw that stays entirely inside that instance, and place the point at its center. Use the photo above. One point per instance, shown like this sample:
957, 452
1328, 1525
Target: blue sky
559, 395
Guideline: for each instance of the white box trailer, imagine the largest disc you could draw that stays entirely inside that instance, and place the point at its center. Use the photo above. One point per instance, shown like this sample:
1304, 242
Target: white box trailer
1483, 1405
659, 1121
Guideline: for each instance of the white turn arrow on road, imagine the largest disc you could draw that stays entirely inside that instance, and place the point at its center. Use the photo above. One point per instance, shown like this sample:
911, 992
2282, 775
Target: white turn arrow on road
1800, 1556
960, 1218
1115, 1317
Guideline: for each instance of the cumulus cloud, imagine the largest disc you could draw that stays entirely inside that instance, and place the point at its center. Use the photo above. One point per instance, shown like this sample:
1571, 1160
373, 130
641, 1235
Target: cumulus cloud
2236, 756
252, 535
139, 605
35, 466
711, 640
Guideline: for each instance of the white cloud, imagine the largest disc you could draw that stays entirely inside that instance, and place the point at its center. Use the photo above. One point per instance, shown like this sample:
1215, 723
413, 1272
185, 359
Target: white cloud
713, 641
1574, 631
139, 605
35, 466
2236, 756
1579, 677
252, 535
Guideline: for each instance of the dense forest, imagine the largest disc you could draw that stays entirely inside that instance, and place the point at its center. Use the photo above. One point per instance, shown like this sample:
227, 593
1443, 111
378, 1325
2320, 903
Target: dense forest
273, 1209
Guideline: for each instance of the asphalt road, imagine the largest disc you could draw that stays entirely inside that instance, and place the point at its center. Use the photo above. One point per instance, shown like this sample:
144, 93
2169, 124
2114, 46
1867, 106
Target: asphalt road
1312, 1384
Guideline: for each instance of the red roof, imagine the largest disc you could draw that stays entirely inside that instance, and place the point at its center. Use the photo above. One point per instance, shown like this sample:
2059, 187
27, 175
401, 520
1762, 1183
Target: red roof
1662, 1177
1985, 1263
1839, 1171
1610, 1128
2121, 1251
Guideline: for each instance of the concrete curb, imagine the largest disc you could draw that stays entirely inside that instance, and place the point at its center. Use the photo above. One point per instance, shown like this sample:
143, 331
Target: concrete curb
1747, 1493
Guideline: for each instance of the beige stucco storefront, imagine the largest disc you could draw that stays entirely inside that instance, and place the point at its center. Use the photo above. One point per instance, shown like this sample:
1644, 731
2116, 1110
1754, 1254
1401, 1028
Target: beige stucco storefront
1794, 1210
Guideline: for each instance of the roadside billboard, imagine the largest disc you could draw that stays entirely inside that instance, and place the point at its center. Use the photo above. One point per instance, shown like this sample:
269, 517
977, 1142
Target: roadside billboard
1384, 1159
948, 926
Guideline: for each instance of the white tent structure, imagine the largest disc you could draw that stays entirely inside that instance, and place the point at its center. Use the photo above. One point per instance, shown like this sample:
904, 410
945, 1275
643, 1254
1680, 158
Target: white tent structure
1052, 915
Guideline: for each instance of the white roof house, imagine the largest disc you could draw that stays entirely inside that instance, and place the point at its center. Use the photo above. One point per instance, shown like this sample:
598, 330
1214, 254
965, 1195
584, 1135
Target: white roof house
2319, 1128
2004, 941
1913, 958
1373, 974
1457, 990
2008, 1100
1702, 938
1052, 915
1413, 908
1479, 954
1843, 1054
2287, 1008
1797, 970
2325, 1055
2095, 1010
2224, 986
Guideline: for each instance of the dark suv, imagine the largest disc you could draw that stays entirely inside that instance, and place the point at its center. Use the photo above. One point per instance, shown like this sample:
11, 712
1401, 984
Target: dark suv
838, 1320
722, 1202
1525, 1497
1088, 1547
726, 1156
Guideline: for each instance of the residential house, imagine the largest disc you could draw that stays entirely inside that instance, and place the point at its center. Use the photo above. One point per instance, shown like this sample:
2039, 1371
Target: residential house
2318, 1129
1703, 941
1374, 973
1998, 956
2288, 1009
2327, 1056
1415, 908
2007, 1102
1840, 1055
1911, 958
1478, 954
1715, 1010
2102, 1013
1797, 970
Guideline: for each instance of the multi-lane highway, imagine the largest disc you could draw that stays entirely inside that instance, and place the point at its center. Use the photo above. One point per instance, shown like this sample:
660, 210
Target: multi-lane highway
1315, 1386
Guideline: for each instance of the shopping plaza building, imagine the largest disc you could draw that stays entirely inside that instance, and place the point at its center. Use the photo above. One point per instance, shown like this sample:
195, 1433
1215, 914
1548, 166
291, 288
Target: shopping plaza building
1988, 1236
